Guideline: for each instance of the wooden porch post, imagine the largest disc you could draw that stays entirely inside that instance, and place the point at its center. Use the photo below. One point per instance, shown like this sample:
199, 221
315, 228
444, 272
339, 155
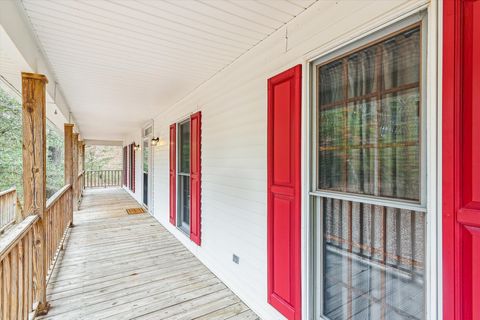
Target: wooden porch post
34, 174
75, 171
81, 156
82, 166
68, 141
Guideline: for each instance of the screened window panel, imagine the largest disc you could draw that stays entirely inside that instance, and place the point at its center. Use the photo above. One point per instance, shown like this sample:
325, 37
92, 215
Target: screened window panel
184, 200
369, 139
184, 176
146, 151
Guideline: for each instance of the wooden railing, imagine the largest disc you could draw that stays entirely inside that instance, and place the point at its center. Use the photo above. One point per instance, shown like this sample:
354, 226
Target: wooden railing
103, 178
21, 256
19, 262
8, 208
58, 216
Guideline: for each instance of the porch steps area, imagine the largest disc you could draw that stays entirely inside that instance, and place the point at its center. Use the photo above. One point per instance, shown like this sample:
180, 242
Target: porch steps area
120, 266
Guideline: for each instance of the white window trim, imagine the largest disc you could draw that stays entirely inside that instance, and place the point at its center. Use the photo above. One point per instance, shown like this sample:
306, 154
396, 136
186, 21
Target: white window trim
150, 207
432, 170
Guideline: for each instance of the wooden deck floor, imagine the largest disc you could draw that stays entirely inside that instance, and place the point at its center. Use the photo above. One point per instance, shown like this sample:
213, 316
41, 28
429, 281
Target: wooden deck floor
119, 266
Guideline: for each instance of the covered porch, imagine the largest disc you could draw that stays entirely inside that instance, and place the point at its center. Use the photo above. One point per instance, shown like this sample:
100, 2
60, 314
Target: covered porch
79, 254
285, 159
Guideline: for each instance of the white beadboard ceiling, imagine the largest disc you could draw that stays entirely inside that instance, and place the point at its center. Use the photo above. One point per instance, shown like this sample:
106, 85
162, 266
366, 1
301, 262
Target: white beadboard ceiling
119, 62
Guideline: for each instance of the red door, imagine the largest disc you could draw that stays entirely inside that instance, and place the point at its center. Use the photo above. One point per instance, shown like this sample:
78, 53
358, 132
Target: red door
284, 215
461, 160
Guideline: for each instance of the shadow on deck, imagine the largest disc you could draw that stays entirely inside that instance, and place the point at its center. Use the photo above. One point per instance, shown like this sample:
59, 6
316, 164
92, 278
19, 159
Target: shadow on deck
119, 266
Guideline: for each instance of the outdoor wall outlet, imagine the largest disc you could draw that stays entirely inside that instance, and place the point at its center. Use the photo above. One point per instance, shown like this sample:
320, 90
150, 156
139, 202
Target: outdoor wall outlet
236, 259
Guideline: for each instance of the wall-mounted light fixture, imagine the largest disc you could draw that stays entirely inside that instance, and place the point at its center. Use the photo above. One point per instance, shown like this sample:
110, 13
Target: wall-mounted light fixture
136, 146
155, 141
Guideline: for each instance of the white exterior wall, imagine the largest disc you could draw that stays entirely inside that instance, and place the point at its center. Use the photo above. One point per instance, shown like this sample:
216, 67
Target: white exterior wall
234, 141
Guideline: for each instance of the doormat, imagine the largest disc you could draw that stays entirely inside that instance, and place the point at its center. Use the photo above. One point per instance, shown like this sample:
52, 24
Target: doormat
135, 210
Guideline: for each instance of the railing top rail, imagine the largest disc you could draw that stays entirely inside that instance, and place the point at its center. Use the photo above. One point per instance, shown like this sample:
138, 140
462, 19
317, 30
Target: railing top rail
54, 198
5, 192
103, 170
9, 240
81, 173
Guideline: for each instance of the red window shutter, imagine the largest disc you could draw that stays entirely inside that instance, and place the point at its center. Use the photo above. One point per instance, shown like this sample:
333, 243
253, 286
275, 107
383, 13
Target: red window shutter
195, 176
461, 160
284, 187
133, 167
128, 166
124, 166
173, 172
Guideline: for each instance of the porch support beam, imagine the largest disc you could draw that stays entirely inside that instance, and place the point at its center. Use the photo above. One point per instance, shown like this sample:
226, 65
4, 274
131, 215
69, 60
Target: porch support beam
68, 141
81, 156
68, 149
34, 174
75, 171
81, 168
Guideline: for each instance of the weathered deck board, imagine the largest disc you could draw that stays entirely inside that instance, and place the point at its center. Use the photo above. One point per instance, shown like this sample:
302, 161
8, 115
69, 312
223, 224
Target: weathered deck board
119, 266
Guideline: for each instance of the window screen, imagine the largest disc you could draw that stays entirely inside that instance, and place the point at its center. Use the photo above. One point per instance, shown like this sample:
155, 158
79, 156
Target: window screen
368, 107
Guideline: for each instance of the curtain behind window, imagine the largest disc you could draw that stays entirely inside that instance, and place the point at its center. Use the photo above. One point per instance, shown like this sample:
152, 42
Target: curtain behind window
368, 119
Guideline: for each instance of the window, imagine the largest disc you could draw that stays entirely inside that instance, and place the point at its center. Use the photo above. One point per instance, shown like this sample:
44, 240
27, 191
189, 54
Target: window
147, 165
184, 176
368, 215
146, 171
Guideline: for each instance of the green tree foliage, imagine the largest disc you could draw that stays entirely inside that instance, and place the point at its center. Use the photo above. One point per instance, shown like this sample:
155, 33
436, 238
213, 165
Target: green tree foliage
10, 141
55, 160
11, 147
103, 158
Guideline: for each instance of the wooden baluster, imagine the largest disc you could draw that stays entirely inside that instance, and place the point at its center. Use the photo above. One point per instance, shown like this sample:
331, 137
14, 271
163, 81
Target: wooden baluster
14, 282
21, 277
2, 303
29, 273
6, 288
2, 212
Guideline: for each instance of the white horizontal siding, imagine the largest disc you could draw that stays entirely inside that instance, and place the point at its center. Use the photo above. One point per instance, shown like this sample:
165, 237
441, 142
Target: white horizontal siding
234, 141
